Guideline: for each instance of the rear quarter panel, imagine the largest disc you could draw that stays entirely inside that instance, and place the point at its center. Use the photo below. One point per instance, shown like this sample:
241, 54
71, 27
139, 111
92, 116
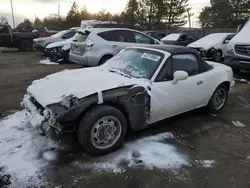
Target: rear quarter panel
220, 73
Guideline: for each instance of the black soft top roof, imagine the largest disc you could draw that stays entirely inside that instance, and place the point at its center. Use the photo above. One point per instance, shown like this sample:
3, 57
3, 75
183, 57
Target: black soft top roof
175, 49
172, 49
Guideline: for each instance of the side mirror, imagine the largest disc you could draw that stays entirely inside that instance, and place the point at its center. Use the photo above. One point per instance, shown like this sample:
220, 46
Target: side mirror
179, 75
226, 41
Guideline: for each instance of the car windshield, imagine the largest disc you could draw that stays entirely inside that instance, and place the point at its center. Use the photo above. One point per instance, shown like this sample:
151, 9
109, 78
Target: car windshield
59, 34
172, 37
137, 63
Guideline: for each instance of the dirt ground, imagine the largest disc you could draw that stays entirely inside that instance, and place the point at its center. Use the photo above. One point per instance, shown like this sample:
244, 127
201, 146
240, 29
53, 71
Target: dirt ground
198, 135
17, 71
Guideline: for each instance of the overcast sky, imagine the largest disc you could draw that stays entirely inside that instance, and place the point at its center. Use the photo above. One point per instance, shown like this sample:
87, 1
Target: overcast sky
41, 8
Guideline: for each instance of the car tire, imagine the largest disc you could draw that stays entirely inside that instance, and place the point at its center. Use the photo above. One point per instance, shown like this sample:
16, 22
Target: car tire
218, 99
217, 56
97, 126
104, 59
26, 46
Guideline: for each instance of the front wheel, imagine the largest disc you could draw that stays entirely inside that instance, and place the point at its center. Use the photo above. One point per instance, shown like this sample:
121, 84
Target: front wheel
102, 130
217, 55
218, 99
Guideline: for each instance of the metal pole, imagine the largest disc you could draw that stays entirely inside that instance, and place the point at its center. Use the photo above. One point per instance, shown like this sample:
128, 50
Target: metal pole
12, 14
58, 14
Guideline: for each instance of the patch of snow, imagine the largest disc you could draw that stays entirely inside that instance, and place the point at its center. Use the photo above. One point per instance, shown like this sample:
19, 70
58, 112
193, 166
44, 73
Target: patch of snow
238, 124
50, 155
215, 115
20, 148
206, 163
47, 62
149, 152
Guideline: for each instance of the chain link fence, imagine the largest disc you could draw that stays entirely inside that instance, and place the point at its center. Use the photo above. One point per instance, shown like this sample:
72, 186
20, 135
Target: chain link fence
197, 32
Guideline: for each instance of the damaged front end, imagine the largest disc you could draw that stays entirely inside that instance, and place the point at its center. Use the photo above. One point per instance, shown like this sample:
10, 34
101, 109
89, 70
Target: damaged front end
44, 118
63, 117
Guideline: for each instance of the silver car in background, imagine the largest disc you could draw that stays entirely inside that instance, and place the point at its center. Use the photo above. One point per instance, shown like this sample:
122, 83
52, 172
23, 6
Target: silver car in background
93, 47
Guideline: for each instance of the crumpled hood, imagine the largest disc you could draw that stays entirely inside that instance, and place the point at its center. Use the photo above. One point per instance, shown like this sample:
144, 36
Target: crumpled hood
41, 39
60, 43
209, 41
80, 83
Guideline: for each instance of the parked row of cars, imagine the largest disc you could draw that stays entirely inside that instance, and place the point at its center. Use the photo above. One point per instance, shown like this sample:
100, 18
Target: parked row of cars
93, 46
136, 81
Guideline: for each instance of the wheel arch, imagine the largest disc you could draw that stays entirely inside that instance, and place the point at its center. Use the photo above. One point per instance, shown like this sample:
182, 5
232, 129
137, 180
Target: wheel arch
132, 101
113, 104
105, 55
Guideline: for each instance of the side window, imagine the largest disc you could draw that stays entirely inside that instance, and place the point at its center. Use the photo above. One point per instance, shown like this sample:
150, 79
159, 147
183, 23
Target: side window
165, 73
69, 35
183, 38
185, 62
228, 38
143, 39
107, 35
191, 37
117, 36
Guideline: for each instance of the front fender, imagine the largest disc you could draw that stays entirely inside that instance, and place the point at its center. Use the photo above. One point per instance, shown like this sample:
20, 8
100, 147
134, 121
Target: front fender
133, 101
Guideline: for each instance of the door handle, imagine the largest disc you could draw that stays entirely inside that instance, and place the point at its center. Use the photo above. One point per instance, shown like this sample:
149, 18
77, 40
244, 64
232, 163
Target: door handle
199, 82
114, 46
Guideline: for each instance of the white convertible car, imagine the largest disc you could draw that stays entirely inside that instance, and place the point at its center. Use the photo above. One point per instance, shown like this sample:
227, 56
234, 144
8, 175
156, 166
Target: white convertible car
137, 87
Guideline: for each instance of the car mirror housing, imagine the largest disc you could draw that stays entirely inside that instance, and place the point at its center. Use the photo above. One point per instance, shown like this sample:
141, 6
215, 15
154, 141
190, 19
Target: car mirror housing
179, 75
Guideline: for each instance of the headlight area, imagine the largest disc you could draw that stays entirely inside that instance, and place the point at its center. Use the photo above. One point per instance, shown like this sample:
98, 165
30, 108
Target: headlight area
59, 109
54, 54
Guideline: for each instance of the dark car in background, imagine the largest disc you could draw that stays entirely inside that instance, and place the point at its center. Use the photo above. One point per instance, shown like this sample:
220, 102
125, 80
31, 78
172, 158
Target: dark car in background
13, 39
156, 34
182, 39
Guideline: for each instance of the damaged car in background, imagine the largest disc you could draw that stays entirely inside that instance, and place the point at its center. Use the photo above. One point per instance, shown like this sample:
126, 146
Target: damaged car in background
58, 51
134, 89
213, 46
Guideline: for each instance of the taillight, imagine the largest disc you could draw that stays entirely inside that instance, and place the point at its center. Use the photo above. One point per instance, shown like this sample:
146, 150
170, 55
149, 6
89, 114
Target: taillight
88, 45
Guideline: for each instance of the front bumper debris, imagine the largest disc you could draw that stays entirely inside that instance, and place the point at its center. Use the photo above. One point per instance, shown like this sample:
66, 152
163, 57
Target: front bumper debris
41, 118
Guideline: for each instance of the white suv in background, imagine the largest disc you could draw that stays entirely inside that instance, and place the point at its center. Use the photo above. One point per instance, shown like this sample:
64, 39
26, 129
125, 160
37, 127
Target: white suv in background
93, 47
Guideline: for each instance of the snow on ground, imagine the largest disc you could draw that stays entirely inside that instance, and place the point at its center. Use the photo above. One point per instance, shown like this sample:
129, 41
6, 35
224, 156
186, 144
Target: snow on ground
20, 149
47, 62
206, 163
149, 152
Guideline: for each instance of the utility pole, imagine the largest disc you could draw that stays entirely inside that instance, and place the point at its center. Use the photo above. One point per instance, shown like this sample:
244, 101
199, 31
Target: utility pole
58, 13
189, 17
133, 12
12, 14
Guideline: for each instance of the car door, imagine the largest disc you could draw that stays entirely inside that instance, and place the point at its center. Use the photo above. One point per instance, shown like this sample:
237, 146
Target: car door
168, 99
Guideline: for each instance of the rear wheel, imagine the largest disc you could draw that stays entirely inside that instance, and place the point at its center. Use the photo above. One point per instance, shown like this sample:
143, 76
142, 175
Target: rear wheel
218, 99
102, 130
104, 59
26, 46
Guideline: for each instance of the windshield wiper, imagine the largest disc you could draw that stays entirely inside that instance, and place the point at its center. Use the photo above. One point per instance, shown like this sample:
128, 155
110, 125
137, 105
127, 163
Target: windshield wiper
119, 72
